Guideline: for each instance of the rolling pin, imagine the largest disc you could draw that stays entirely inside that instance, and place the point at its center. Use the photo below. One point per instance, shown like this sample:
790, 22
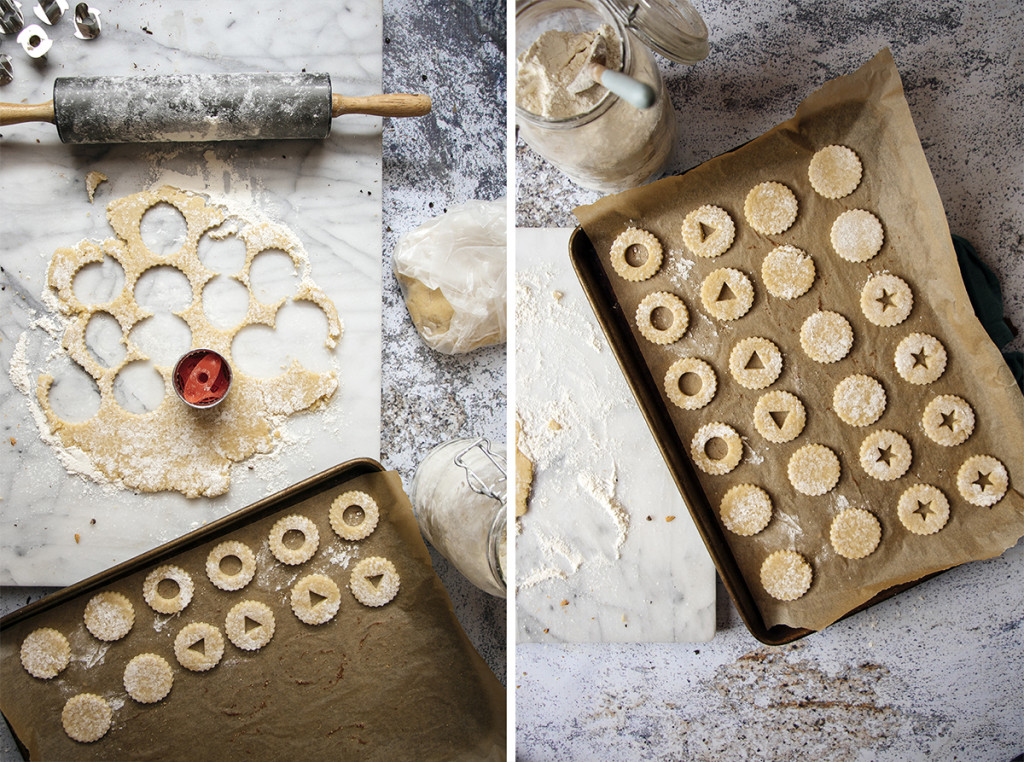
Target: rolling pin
201, 108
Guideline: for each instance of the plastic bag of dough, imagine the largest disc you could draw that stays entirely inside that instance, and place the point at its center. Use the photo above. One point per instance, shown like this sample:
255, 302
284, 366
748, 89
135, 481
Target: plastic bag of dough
452, 273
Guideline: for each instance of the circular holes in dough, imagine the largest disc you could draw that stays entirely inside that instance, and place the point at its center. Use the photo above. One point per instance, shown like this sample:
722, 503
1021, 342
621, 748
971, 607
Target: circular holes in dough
787, 272
826, 336
354, 515
755, 362
920, 358
779, 416
716, 448
923, 509
45, 653
886, 300
708, 231
727, 293
770, 208
948, 420
109, 616
813, 469
148, 678
86, 717
231, 565
834, 171
315, 599
885, 455
250, 625
857, 235
982, 480
374, 581
636, 254
662, 317
286, 550
786, 575
690, 383
199, 646
859, 400
746, 509
168, 589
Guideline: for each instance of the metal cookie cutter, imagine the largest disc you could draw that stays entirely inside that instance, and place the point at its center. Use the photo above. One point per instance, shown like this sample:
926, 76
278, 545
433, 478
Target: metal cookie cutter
6, 70
11, 20
201, 378
35, 41
87, 22
50, 11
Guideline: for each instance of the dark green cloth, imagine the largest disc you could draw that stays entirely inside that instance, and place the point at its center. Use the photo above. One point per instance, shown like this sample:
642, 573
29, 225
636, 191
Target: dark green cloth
987, 300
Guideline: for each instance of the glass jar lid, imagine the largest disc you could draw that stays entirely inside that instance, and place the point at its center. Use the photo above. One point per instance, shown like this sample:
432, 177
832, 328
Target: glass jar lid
671, 27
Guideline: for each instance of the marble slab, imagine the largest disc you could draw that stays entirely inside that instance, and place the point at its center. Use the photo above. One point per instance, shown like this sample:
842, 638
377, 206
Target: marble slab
607, 551
327, 192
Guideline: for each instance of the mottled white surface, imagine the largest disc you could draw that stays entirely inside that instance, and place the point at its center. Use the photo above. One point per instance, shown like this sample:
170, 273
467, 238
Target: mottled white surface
577, 581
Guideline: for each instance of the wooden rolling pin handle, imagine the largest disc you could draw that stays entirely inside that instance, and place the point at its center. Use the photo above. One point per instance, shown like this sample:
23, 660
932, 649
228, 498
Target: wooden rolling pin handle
392, 104
18, 113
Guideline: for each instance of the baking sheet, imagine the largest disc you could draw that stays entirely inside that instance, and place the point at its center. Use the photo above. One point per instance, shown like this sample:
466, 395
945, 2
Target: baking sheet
387, 683
868, 112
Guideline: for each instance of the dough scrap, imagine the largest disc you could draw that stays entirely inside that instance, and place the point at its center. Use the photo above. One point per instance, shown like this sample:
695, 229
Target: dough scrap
779, 416
948, 420
45, 653
708, 432
86, 717
770, 208
151, 592
365, 590
703, 371
885, 455
755, 362
834, 171
826, 336
109, 616
857, 235
366, 525
148, 678
250, 625
157, 451
786, 575
982, 480
315, 599
923, 509
645, 315
886, 300
920, 358
221, 578
200, 659
310, 539
787, 272
727, 293
855, 533
524, 477
859, 400
636, 237
718, 221
813, 469
746, 509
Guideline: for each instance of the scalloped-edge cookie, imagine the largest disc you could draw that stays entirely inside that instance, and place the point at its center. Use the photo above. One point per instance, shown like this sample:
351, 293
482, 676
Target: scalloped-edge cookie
770, 208
727, 293
636, 237
109, 616
923, 509
45, 653
198, 646
179, 601
885, 455
813, 469
855, 533
787, 272
701, 396
982, 480
231, 579
834, 171
315, 599
645, 317
920, 359
718, 222
826, 336
755, 362
886, 300
367, 522
86, 717
786, 575
746, 509
374, 581
859, 400
250, 625
148, 678
779, 416
310, 539
857, 235
728, 461
948, 420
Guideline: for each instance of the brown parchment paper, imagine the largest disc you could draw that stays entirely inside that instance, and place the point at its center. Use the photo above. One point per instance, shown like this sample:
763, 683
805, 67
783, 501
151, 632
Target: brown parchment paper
868, 112
397, 682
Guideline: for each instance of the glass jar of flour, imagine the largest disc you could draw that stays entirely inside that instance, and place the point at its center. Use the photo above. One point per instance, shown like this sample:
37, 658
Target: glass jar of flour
595, 137
459, 494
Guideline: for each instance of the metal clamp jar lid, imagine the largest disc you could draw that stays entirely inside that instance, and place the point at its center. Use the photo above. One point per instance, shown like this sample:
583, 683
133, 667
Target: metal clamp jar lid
673, 28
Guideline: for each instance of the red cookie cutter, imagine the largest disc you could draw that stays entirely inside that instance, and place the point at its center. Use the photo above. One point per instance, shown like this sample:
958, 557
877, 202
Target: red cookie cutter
202, 378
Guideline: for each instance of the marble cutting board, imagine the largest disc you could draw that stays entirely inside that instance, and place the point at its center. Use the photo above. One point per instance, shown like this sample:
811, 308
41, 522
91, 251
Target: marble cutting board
607, 551
327, 192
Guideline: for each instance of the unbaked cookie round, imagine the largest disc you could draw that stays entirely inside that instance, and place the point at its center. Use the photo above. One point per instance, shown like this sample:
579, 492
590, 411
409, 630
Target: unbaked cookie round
683, 394
726, 462
374, 581
645, 319
109, 616
787, 272
305, 551
923, 509
199, 646
786, 575
948, 420
779, 416
857, 235
755, 362
826, 336
727, 293
813, 469
885, 455
45, 653
859, 400
886, 300
920, 358
231, 565
148, 678
708, 231
175, 603
834, 171
770, 208
367, 521
86, 717
855, 533
982, 480
642, 239
315, 599
250, 625
746, 509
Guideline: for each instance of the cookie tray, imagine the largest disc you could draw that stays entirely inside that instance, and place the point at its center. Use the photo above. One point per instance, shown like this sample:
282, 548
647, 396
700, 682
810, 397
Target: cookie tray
615, 326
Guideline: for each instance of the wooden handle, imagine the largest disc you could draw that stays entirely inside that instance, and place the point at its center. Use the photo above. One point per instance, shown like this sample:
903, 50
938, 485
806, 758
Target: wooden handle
17, 113
392, 104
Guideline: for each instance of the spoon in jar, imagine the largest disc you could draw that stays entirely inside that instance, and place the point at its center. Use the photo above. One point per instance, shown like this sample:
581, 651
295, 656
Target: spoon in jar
633, 91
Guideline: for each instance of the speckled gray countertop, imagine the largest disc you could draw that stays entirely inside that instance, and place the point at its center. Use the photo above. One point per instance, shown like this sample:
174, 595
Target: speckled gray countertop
937, 672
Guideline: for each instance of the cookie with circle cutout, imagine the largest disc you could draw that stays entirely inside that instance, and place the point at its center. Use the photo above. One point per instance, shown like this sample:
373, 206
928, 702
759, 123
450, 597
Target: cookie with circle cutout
636, 240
